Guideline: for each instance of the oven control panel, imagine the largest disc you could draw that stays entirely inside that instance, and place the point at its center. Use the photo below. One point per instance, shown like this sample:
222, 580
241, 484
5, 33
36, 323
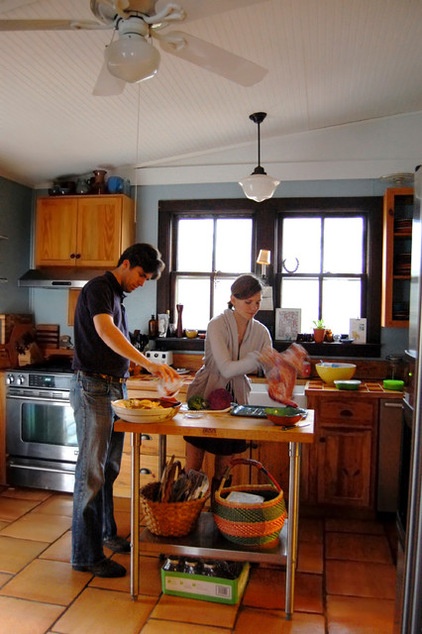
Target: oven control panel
38, 380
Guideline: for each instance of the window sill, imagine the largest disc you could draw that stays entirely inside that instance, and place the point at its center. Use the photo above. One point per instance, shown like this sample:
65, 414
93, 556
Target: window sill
334, 349
314, 349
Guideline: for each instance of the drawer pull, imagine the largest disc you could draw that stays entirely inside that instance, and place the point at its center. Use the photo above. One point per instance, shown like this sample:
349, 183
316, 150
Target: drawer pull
145, 437
346, 412
145, 471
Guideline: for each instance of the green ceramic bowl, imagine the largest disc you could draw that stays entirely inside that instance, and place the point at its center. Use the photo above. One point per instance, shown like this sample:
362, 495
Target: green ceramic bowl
353, 384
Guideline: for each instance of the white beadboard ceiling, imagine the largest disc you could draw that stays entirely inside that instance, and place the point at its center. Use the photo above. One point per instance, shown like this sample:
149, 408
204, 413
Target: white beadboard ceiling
344, 84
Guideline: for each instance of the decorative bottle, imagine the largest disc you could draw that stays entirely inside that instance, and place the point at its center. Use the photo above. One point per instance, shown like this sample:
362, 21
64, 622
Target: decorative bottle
98, 186
153, 326
179, 330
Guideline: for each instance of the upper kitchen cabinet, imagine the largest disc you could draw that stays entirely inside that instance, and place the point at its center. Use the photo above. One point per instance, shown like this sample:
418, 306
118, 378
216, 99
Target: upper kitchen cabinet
89, 231
397, 242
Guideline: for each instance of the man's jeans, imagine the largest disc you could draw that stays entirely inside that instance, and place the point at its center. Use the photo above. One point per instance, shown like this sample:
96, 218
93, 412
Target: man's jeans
97, 467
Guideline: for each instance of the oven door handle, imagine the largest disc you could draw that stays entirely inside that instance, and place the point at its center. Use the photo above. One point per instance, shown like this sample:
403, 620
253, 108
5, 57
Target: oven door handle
39, 399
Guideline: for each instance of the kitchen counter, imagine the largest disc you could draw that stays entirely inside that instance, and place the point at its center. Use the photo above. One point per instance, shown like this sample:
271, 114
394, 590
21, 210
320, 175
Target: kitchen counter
366, 388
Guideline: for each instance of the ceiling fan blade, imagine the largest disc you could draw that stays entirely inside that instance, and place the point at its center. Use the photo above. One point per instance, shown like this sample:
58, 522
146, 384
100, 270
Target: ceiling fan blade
107, 85
197, 9
50, 25
212, 58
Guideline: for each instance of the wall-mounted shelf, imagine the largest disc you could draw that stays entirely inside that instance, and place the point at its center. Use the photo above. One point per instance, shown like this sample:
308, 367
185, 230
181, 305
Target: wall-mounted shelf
397, 243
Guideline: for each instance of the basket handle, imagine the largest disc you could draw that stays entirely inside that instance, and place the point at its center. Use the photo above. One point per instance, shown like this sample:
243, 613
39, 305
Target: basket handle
252, 463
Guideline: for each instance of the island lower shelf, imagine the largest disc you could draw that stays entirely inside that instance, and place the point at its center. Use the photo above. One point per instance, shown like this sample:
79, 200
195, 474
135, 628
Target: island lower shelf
206, 541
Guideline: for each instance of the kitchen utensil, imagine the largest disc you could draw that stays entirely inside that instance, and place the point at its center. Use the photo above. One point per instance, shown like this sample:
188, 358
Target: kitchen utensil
285, 416
330, 372
169, 387
131, 410
347, 385
390, 384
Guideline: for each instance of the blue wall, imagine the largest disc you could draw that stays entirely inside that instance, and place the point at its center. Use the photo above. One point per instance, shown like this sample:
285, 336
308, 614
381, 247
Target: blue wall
15, 251
50, 306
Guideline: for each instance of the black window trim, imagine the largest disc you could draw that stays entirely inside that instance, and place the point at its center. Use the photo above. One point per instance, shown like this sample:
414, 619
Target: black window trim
266, 235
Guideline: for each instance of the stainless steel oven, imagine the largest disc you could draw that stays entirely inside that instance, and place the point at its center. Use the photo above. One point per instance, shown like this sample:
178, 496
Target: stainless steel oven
41, 443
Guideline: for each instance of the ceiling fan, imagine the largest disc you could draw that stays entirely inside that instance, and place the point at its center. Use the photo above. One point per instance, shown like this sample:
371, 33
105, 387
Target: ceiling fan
132, 57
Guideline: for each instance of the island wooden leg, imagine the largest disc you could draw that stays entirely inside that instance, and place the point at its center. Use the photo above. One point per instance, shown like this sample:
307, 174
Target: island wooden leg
134, 515
292, 525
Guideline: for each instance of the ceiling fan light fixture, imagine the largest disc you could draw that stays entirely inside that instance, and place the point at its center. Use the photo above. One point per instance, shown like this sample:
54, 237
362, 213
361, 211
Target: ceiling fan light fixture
259, 186
131, 57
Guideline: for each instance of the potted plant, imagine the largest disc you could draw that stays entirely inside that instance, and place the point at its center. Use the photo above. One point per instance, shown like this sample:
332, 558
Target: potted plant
319, 330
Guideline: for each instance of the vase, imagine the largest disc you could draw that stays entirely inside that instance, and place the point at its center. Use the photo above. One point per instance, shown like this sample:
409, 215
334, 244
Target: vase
319, 334
98, 184
179, 328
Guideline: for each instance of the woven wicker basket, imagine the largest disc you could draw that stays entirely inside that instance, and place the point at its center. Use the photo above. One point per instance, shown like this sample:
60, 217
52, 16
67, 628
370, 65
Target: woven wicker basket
169, 519
254, 525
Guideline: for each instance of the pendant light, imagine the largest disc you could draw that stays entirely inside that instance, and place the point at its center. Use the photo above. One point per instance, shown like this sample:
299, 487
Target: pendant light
259, 186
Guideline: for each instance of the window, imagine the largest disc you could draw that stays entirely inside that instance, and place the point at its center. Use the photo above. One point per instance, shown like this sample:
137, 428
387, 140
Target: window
323, 268
207, 262
326, 257
205, 248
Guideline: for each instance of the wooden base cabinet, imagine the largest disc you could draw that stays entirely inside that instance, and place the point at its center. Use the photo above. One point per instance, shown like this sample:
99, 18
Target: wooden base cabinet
340, 468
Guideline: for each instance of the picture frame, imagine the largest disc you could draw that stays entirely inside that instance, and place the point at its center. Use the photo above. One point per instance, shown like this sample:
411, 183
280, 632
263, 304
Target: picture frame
287, 323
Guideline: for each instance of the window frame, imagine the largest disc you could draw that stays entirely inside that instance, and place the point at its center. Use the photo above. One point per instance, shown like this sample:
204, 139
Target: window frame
372, 208
266, 235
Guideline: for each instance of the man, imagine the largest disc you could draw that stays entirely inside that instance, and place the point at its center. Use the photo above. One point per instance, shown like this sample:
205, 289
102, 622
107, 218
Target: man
101, 364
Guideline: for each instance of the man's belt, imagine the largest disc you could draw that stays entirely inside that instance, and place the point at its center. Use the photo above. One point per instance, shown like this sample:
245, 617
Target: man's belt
104, 377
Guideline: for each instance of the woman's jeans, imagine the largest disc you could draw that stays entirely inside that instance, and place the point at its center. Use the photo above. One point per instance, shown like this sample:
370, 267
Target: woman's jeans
97, 467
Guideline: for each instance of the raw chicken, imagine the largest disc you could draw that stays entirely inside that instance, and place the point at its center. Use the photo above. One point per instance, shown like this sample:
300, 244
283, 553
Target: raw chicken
281, 369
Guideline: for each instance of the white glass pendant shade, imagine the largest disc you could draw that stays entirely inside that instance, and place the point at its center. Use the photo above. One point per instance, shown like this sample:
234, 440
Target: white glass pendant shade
259, 187
132, 58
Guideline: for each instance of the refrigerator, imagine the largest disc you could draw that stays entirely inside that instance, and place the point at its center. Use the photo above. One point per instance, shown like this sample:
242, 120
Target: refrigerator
409, 517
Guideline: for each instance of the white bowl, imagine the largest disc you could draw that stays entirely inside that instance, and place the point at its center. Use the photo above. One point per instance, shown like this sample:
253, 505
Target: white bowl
131, 410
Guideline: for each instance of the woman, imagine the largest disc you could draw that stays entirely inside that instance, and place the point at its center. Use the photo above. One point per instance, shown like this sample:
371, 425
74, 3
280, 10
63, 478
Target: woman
233, 344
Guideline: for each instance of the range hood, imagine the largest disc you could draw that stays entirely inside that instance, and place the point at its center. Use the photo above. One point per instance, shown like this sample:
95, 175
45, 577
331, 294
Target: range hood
58, 277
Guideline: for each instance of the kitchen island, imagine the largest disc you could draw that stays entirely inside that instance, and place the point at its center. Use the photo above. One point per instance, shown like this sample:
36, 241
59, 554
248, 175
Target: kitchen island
221, 426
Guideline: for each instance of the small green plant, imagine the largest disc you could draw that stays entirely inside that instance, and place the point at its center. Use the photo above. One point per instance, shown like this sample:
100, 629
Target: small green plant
319, 323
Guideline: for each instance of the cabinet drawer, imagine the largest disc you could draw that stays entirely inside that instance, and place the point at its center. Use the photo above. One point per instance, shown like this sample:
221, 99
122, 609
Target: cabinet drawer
347, 411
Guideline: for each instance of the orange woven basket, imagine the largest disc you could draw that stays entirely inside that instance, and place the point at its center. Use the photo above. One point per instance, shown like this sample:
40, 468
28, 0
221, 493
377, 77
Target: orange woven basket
254, 525
169, 519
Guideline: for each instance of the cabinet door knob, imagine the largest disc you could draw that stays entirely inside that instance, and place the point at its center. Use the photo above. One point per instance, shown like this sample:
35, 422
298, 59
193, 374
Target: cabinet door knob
72, 256
77, 256
346, 412
145, 471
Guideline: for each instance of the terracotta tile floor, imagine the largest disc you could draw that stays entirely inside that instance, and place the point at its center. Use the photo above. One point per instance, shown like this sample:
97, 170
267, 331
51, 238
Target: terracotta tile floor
345, 582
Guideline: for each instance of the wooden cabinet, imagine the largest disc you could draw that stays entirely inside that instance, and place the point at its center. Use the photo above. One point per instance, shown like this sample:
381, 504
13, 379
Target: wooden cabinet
340, 468
89, 231
397, 242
